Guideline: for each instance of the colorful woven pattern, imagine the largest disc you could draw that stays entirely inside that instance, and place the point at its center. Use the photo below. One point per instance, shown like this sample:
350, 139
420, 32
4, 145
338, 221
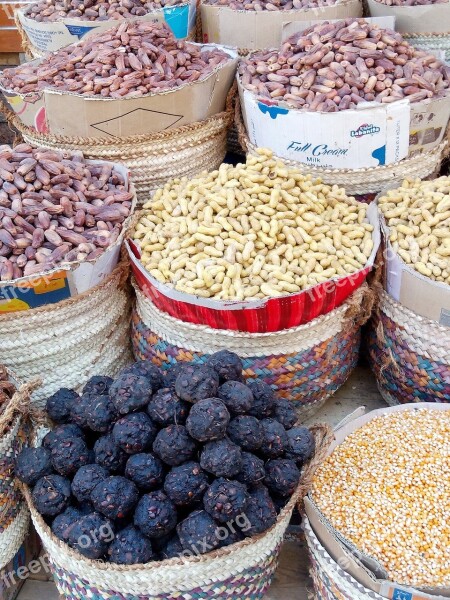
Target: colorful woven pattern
410, 355
10, 497
249, 584
307, 377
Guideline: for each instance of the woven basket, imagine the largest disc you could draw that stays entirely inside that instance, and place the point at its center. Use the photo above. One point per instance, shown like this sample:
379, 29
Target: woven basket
68, 342
15, 431
331, 582
430, 41
409, 354
361, 181
154, 158
238, 572
305, 364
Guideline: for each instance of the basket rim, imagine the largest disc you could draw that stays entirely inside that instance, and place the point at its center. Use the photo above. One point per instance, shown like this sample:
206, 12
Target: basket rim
323, 436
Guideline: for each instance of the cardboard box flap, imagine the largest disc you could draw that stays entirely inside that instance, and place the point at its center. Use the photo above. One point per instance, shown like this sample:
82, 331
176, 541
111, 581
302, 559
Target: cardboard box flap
431, 18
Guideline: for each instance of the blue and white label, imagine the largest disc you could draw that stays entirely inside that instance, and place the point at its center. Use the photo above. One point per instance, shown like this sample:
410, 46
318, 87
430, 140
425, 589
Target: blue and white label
375, 135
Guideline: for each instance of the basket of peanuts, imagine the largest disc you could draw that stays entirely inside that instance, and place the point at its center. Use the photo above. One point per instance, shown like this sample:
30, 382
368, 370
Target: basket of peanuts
259, 259
409, 341
48, 25
15, 432
255, 24
370, 106
424, 23
375, 519
64, 309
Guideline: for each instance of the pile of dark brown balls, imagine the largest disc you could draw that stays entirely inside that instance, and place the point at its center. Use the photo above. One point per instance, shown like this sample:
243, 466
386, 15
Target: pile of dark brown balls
156, 465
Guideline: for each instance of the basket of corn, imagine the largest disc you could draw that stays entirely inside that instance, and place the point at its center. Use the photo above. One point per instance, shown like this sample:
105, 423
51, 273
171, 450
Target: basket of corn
409, 340
378, 508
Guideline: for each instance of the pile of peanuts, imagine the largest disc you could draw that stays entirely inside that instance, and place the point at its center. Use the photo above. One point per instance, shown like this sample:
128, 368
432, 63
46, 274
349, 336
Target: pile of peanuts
271, 4
386, 489
55, 209
127, 61
411, 2
335, 66
90, 10
418, 217
252, 231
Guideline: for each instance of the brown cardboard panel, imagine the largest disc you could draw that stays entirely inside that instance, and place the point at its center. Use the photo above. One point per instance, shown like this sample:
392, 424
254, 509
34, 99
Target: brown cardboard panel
255, 30
431, 18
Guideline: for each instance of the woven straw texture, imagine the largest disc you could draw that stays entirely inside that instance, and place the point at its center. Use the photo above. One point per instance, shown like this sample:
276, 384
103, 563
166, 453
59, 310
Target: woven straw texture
68, 342
238, 572
154, 158
15, 433
330, 581
305, 364
361, 181
409, 354
430, 41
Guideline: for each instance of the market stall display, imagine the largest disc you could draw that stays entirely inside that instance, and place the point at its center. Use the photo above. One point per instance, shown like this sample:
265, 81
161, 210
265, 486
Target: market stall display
200, 519
340, 506
328, 78
48, 25
409, 338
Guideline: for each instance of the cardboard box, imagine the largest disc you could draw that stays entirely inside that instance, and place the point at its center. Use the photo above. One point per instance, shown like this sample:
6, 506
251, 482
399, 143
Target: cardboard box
431, 18
253, 316
422, 295
64, 282
11, 577
371, 135
50, 36
358, 565
67, 114
254, 30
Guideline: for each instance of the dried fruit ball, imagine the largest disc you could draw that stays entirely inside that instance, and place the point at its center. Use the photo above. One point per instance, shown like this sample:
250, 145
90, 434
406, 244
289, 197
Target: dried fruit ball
260, 511
274, 438
252, 469
146, 471
86, 479
196, 383
130, 547
174, 446
222, 458
91, 535
224, 500
263, 399
246, 432
284, 412
170, 376
64, 522
208, 420
172, 548
97, 386
60, 404
145, 368
69, 455
227, 364
134, 433
227, 536
115, 497
32, 464
130, 392
236, 396
80, 411
62, 432
282, 476
197, 533
51, 495
300, 445
165, 408
109, 455
186, 484
155, 515
101, 413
